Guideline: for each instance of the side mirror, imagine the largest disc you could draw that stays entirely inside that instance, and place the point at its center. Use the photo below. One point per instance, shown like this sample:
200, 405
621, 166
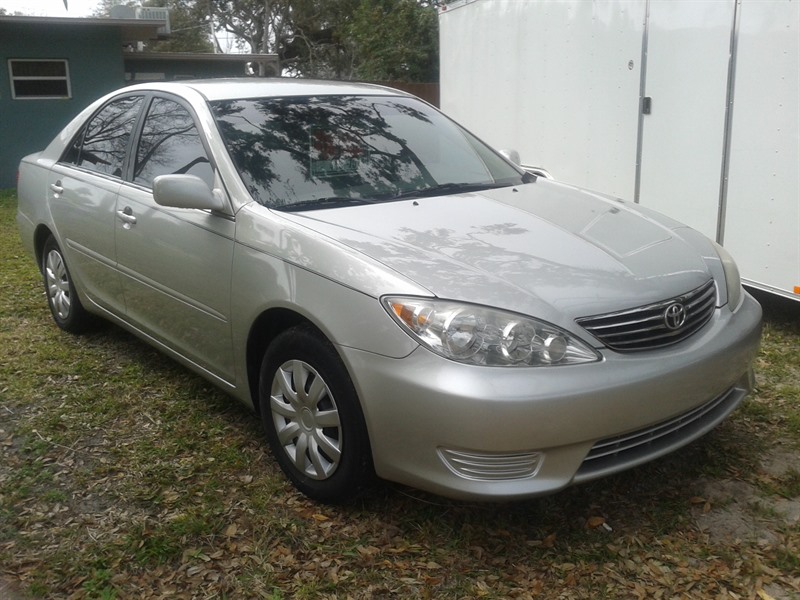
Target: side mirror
186, 191
538, 171
511, 155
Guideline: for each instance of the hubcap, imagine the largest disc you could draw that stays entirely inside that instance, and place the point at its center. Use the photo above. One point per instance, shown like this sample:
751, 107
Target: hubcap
57, 284
306, 419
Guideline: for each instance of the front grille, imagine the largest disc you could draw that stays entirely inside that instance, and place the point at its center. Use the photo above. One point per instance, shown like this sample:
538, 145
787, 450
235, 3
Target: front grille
646, 327
491, 467
624, 451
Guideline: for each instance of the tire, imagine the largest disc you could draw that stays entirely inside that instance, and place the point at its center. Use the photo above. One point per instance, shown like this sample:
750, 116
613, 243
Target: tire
65, 306
312, 417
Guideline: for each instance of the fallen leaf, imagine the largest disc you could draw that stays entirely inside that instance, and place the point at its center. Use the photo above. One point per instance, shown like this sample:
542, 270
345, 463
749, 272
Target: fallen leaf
595, 522
549, 541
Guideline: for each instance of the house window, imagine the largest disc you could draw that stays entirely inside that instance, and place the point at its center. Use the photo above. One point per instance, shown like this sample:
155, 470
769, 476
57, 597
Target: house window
39, 79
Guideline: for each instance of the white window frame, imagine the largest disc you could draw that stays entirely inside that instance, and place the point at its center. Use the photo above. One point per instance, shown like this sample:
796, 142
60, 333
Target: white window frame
14, 79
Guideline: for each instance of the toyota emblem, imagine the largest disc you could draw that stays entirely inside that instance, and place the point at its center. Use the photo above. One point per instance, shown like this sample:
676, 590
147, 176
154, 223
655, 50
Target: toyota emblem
675, 316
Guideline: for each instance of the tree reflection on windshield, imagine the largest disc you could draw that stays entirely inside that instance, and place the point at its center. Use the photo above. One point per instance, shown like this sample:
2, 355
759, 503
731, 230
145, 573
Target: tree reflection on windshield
292, 151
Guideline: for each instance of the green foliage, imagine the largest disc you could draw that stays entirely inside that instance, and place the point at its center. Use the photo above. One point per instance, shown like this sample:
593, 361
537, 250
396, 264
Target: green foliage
395, 40
263, 25
190, 24
374, 40
317, 44
339, 39
98, 585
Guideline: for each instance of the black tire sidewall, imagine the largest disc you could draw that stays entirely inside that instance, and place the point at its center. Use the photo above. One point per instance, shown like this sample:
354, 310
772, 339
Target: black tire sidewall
354, 471
78, 319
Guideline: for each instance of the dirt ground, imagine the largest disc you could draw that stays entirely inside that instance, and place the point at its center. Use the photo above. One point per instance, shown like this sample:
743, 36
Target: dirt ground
735, 512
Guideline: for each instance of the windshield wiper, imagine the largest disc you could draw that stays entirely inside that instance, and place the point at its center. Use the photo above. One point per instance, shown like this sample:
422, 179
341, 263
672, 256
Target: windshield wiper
449, 188
326, 202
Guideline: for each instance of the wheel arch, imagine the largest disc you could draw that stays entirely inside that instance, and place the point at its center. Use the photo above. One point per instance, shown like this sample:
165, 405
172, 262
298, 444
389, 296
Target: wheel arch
40, 236
264, 329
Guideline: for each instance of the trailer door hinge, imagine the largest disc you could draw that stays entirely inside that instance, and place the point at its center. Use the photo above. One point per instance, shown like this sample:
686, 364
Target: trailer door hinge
647, 103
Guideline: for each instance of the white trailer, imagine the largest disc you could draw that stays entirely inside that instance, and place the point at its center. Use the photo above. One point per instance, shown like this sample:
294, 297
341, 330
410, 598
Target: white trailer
691, 107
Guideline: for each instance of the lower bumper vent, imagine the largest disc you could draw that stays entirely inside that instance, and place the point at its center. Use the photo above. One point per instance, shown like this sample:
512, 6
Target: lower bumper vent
491, 467
615, 454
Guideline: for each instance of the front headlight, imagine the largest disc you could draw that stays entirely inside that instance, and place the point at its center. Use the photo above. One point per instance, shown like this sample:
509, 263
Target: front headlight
733, 282
483, 336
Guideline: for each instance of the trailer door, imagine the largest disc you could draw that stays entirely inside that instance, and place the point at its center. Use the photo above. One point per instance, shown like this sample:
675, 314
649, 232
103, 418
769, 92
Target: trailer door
686, 79
762, 225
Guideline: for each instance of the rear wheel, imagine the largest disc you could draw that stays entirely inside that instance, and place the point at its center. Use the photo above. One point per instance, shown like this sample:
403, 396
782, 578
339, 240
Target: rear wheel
312, 417
66, 307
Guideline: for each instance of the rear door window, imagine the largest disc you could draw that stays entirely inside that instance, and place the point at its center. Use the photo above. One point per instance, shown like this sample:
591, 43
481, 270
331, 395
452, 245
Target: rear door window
102, 145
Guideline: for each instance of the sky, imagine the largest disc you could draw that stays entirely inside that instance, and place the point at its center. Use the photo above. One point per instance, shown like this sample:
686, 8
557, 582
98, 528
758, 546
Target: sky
50, 8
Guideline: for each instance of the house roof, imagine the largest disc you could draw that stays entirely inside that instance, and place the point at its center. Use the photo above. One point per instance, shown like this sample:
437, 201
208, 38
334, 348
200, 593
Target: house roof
131, 30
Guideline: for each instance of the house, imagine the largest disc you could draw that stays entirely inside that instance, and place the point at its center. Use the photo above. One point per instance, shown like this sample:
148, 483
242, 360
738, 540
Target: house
52, 67
170, 66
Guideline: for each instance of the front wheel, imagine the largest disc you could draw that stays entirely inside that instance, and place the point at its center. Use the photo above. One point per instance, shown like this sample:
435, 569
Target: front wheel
68, 312
312, 417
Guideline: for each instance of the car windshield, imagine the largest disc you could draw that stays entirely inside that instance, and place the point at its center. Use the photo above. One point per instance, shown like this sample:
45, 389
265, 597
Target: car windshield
322, 152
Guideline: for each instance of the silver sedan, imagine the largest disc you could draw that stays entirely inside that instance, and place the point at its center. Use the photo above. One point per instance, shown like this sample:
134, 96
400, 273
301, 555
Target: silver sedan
388, 293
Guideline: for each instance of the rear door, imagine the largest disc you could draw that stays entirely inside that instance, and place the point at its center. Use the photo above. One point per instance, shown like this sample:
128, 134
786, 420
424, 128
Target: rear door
175, 264
83, 189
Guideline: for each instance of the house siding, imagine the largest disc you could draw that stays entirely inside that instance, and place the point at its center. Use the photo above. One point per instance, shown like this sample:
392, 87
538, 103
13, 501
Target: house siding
95, 68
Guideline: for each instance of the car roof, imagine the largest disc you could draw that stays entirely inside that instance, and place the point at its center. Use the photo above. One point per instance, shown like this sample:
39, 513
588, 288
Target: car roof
277, 87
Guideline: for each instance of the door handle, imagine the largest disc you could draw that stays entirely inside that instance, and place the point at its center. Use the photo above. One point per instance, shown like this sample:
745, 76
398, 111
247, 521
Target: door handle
126, 214
57, 188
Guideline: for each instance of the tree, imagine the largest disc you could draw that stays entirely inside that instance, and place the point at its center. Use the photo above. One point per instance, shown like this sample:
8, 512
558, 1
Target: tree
190, 25
383, 40
302, 33
339, 39
395, 40
260, 23
319, 45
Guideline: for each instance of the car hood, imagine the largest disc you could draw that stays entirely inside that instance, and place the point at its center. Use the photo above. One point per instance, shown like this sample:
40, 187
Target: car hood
543, 248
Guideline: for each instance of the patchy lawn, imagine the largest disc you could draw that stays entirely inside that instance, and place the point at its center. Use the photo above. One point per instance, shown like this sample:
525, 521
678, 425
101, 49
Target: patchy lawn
122, 475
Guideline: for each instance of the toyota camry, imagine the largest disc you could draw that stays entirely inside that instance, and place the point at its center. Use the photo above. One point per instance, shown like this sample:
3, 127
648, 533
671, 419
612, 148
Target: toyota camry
388, 294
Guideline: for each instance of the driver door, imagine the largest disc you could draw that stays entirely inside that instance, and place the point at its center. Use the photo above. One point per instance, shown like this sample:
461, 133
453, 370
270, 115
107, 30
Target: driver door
175, 264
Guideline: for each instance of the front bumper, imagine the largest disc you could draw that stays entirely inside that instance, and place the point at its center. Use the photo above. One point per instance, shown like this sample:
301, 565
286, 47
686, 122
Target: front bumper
474, 432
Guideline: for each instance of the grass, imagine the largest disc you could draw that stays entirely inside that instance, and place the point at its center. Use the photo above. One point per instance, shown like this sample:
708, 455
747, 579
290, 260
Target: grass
123, 475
